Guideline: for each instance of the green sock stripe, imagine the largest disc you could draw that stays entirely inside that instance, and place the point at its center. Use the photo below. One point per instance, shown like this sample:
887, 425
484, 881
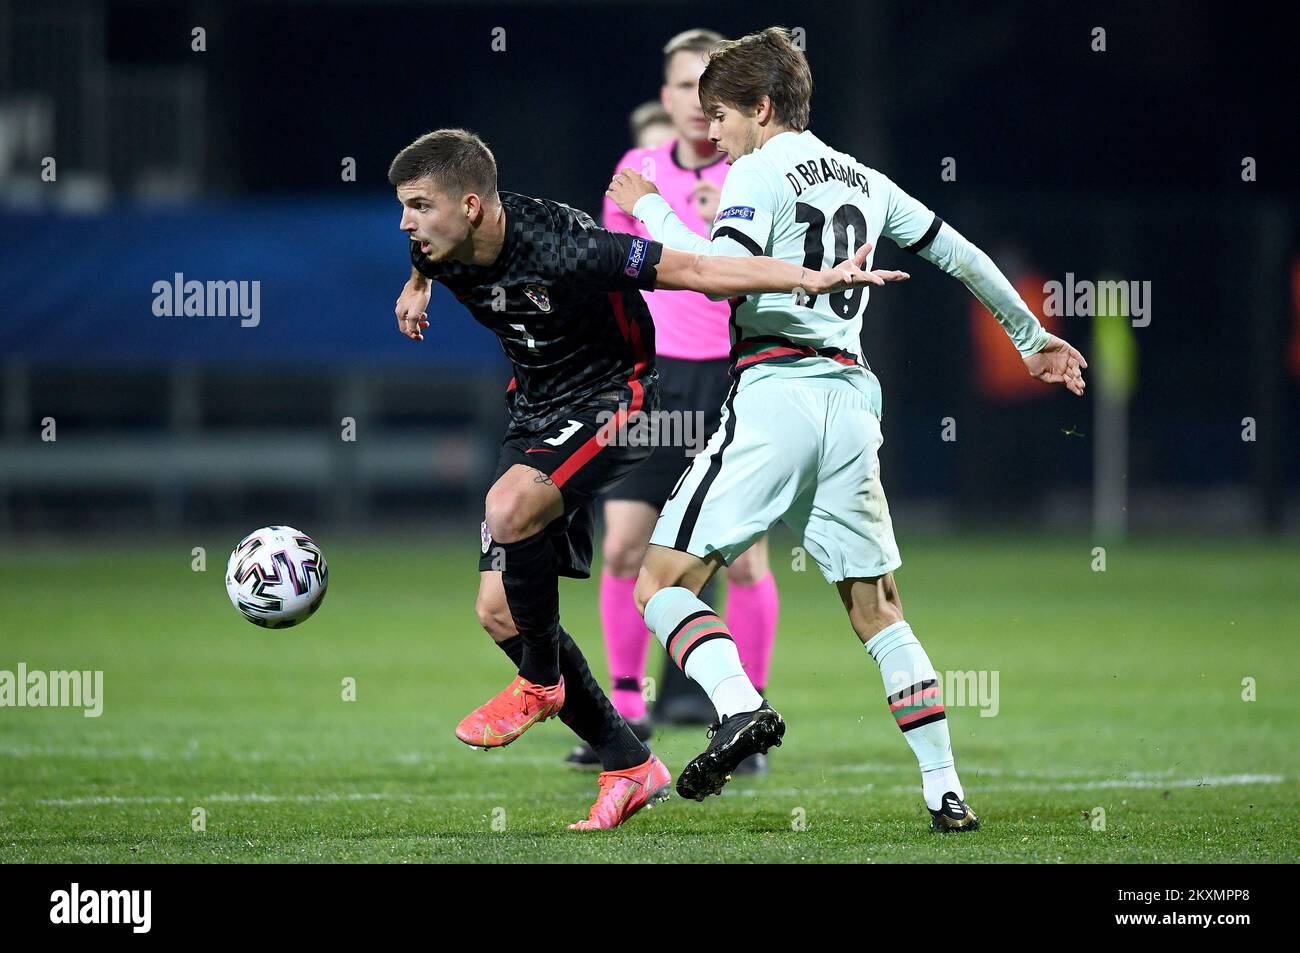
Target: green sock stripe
691, 625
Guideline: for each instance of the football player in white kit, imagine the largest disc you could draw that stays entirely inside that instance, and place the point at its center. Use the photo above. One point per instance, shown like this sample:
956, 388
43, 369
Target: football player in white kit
800, 427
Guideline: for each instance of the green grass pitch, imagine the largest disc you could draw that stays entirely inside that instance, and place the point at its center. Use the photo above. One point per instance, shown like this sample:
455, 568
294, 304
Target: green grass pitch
1120, 690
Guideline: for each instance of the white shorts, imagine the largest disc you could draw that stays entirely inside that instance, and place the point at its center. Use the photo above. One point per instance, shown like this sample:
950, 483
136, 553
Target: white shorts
799, 450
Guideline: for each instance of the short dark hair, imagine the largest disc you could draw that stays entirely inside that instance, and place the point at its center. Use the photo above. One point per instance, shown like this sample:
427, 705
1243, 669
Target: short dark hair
697, 40
741, 72
456, 160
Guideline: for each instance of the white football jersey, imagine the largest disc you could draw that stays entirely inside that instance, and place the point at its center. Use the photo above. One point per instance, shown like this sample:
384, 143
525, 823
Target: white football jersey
797, 199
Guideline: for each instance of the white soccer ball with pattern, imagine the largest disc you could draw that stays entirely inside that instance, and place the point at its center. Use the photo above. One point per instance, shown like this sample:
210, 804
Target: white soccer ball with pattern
276, 577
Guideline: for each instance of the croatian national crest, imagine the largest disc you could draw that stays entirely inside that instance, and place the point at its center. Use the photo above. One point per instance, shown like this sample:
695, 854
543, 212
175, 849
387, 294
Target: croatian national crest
538, 296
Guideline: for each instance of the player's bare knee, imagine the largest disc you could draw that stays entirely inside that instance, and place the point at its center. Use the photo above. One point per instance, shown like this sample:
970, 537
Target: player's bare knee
622, 556
507, 516
750, 567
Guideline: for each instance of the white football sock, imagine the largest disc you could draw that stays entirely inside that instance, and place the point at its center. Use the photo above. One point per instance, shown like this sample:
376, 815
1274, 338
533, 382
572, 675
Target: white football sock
701, 645
914, 695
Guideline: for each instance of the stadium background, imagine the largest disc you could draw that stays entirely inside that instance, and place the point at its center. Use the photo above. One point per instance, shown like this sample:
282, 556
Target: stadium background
226, 164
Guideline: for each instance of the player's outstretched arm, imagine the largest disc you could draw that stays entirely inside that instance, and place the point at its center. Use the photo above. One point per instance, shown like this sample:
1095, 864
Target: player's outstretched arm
726, 277
413, 305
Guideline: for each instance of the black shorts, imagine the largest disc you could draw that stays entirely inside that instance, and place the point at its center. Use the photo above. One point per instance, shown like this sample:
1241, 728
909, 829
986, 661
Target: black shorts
576, 453
685, 387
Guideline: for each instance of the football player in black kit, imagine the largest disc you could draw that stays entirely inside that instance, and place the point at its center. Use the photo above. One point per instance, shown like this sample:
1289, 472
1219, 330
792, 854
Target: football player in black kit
563, 296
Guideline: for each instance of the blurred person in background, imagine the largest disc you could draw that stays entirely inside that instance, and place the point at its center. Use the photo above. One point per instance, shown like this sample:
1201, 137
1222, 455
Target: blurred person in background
650, 125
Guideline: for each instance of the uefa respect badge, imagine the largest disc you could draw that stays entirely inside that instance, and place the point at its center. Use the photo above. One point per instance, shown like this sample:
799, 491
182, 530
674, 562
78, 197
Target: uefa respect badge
635, 257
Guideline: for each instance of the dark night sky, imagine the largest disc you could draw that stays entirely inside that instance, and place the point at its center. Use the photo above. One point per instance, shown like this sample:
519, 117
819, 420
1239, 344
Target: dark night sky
1181, 94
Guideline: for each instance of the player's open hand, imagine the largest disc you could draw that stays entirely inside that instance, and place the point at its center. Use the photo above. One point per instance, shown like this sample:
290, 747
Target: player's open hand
850, 273
1058, 363
628, 186
412, 310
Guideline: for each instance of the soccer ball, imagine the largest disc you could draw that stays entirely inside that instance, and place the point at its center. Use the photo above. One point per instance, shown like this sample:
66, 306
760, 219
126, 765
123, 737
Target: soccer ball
276, 577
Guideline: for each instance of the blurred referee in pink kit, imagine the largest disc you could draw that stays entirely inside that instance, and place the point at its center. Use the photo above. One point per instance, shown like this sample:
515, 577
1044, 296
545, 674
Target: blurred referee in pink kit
693, 343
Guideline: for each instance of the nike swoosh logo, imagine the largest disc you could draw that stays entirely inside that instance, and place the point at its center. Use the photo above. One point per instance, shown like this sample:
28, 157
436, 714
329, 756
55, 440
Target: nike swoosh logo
628, 795
539, 450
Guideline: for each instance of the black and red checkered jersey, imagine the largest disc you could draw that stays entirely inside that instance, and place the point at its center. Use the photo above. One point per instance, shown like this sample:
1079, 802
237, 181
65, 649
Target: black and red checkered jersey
564, 299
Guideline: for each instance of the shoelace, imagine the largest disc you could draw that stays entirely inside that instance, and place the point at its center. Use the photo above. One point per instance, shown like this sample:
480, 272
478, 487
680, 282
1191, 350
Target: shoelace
502, 704
537, 693
714, 728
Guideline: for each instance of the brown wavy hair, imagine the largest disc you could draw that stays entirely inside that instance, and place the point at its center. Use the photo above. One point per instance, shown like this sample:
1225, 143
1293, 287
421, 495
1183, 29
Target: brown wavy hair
741, 72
